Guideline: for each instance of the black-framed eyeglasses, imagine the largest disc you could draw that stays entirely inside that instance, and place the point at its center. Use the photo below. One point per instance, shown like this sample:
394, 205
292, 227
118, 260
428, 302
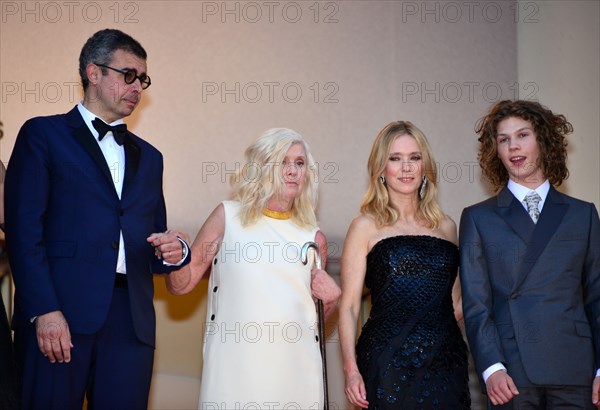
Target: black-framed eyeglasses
130, 76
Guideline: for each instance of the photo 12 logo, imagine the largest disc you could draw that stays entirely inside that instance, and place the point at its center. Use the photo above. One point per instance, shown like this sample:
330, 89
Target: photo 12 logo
270, 92
270, 11
69, 11
428, 12
466, 91
254, 252
326, 173
44, 92
270, 405
50, 92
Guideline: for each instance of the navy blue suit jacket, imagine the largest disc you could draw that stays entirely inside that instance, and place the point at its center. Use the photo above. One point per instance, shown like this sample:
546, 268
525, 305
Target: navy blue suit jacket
63, 218
531, 292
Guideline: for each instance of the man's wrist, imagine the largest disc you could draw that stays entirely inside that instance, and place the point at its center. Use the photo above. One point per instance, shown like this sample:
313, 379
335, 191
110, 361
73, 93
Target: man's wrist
492, 369
184, 253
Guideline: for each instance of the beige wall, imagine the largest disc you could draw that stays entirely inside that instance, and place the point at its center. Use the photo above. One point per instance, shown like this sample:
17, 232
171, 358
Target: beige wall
560, 54
335, 71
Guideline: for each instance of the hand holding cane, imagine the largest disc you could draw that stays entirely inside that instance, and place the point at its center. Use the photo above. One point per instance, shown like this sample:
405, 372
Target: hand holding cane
304, 257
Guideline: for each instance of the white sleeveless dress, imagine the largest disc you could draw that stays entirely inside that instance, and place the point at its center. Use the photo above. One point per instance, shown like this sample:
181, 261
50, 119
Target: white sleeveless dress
261, 348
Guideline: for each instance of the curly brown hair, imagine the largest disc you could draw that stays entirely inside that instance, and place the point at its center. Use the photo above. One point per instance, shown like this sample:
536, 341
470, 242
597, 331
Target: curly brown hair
550, 130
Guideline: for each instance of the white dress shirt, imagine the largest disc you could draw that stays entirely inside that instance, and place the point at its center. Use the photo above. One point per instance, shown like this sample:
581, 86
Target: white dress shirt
115, 158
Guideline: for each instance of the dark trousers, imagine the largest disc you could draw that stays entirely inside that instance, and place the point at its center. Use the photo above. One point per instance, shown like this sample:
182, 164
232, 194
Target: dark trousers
112, 367
550, 398
9, 381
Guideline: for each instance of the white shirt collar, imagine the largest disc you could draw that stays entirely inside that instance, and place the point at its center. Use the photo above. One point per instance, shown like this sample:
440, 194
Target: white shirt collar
89, 116
520, 191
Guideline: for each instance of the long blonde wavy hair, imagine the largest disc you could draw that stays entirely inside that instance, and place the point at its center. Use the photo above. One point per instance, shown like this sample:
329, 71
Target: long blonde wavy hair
260, 178
376, 201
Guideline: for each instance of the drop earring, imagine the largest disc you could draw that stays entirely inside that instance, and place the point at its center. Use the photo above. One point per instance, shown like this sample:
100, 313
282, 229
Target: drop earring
423, 185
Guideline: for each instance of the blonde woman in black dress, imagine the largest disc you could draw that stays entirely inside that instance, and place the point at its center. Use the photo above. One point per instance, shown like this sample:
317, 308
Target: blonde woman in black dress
410, 354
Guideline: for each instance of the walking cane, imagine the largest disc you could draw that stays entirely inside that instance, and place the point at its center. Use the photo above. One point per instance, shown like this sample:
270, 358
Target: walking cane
304, 257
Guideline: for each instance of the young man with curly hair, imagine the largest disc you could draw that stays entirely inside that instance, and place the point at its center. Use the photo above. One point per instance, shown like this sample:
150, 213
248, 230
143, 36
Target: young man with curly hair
530, 268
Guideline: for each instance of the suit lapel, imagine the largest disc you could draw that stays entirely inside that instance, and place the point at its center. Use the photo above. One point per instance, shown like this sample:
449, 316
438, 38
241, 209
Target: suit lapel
514, 214
88, 142
550, 218
132, 161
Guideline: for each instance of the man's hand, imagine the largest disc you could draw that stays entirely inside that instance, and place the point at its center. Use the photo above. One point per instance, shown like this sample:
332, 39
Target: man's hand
53, 336
500, 388
167, 246
596, 391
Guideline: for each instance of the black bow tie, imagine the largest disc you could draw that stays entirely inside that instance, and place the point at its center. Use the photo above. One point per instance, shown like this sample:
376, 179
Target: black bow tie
119, 131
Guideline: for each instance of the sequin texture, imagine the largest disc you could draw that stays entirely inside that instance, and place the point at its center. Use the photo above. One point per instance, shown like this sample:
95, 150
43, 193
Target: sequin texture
411, 353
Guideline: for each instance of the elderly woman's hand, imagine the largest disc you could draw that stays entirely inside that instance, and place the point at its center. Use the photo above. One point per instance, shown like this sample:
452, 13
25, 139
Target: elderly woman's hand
325, 288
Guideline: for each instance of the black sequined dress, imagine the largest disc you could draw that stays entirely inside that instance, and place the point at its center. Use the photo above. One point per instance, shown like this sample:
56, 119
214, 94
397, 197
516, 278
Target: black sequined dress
411, 353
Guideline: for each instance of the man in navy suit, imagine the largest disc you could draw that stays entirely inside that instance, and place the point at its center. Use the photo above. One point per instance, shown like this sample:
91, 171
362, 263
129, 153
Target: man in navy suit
86, 229
530, 268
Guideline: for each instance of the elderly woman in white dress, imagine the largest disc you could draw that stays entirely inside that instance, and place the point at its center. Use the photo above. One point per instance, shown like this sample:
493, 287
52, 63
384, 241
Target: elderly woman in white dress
261, 347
